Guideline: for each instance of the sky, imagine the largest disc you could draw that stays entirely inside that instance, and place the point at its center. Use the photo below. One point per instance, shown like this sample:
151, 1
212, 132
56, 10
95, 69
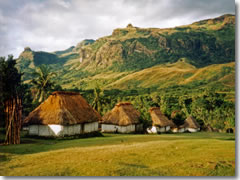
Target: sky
50, 25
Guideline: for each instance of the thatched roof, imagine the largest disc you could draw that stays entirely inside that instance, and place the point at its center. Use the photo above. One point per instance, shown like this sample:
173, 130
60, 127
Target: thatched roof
158, 118
65, 108
122, 114
191, 122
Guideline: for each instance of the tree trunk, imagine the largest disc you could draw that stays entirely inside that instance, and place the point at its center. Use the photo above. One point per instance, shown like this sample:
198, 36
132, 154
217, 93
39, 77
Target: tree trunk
13, 111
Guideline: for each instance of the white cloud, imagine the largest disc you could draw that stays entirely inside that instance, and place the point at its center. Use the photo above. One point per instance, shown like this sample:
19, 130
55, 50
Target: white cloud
59, 24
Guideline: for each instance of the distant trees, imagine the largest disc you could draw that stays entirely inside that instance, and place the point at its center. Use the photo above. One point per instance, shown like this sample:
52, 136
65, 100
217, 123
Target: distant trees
214, 111
99, 100
42, 82
229, 114
178, 117
200, 111
210, 109
11, 96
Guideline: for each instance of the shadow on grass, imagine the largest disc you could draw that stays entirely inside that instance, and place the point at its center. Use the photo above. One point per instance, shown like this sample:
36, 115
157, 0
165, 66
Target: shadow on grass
3, 158
134, 165
31, 145
78, 136
227, 139
36, 144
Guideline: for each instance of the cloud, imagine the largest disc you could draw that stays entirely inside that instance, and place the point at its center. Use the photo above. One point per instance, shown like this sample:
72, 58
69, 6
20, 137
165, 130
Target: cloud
59, 24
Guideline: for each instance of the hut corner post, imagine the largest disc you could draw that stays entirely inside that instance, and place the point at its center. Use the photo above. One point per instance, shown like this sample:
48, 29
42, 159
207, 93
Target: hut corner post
13, 111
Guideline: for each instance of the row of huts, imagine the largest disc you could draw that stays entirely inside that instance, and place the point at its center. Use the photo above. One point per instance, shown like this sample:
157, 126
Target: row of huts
68, 113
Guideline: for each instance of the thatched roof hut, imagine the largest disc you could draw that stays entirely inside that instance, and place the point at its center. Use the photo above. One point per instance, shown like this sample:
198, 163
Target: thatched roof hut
191, 122
63, 108
123, 114
158, 118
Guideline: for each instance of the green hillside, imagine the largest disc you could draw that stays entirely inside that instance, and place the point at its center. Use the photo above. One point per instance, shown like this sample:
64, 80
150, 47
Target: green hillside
29, 60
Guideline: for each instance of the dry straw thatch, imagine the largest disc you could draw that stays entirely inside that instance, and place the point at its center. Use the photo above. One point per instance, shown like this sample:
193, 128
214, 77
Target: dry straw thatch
123, 114
191, 122
159, 119
65, 108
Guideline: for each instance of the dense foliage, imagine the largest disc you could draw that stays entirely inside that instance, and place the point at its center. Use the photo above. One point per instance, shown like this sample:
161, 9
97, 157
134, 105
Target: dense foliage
211, 109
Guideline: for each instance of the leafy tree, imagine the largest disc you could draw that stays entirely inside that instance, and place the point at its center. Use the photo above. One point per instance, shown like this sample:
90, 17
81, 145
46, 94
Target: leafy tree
183, 105
178, 117
145, 119
28, 104
42, 82
229, 114
163, 104
200, 110
98, 100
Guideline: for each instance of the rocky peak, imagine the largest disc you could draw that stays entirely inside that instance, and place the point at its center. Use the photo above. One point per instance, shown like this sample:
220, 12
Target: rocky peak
27, 49
83, 43
27, 54
129, 25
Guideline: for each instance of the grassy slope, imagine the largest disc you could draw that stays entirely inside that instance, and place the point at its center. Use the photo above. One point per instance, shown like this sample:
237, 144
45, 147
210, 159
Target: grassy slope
199, 154
179, 73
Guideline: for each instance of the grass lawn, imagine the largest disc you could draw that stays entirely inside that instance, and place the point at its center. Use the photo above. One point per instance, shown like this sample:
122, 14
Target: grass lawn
188, 154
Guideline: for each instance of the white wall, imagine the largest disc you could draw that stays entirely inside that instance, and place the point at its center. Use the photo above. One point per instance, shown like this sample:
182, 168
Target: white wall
44, 131
120, 129
126, 129
152, 130
108, 127
192, 130
156, 129
77, 129
90, 127
59, 130
71, 130
181, 130
161, 129
33, 130
55, 130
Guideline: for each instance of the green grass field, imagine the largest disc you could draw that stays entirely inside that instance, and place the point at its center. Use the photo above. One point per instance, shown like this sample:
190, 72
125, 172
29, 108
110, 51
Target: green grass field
196, 154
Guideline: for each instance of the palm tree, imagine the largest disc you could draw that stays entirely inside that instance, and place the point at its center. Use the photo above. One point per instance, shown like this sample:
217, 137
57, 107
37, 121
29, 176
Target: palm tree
42, 83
